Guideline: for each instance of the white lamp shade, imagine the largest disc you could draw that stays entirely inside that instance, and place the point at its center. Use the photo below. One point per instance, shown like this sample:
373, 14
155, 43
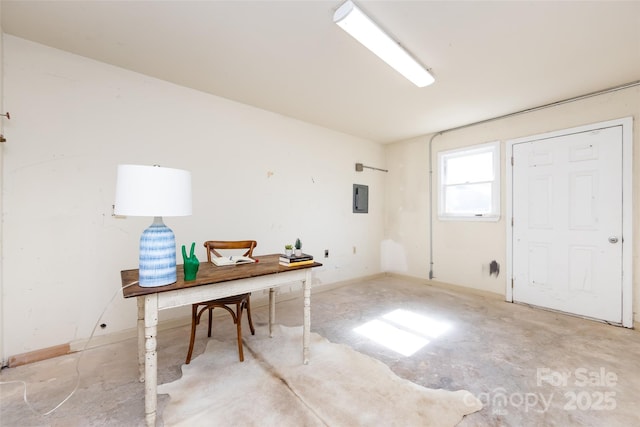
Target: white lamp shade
152, 191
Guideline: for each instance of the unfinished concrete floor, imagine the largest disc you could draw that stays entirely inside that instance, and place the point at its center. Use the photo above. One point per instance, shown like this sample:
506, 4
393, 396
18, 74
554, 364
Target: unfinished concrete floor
528, 366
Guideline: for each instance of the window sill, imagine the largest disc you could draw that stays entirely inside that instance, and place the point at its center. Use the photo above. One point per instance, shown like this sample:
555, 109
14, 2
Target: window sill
470, 218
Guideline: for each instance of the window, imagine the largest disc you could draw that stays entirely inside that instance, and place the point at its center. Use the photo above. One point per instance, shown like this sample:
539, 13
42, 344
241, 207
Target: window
470, 183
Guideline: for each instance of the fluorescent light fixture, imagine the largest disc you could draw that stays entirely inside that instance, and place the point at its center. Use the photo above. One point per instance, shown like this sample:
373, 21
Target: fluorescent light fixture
362, 28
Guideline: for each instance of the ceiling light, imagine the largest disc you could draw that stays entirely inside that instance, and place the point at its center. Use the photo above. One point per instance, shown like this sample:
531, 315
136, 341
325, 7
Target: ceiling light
362, 28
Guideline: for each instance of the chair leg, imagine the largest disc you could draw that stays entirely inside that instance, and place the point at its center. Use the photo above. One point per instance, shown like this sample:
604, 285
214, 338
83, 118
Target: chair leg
253, 331
237, 319
194, 310
210, 321
239, 329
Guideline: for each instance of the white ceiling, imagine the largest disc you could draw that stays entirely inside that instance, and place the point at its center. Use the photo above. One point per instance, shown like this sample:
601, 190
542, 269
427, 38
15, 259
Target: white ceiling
489, 58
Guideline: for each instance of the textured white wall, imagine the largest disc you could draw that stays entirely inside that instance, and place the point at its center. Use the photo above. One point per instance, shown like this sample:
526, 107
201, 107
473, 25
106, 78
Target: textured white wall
255, 175
2, 321
463, 250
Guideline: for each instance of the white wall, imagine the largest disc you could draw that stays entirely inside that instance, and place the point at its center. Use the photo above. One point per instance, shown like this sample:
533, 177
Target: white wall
463, 250
1, 197
255, 175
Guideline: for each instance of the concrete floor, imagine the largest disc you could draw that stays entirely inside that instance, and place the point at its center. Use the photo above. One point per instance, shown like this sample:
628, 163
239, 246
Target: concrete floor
529, 367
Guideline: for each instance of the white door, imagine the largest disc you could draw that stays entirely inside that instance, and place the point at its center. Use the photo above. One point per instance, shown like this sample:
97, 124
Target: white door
567, 223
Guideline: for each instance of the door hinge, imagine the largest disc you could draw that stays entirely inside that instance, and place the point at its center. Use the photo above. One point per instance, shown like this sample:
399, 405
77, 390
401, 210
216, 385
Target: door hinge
512, 222
512, 283
511, 160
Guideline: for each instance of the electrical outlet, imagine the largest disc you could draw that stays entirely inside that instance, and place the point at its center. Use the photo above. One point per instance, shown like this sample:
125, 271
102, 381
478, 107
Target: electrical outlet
326, 253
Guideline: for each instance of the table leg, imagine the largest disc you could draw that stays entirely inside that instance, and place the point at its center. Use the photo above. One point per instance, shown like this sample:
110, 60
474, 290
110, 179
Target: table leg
272, 310
150, 359
306, 330
140, 301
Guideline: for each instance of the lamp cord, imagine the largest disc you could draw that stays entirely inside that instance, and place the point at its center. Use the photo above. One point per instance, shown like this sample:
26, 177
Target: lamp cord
77, 368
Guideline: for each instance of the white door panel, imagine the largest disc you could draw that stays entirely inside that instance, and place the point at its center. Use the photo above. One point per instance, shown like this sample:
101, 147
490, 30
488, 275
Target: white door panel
567, 204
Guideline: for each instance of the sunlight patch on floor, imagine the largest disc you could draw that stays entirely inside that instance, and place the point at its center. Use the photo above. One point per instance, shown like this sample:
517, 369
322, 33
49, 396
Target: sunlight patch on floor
403, 331
418, 323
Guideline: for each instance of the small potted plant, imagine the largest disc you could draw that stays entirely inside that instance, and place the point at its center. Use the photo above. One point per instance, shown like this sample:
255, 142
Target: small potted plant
288, 249
298, 246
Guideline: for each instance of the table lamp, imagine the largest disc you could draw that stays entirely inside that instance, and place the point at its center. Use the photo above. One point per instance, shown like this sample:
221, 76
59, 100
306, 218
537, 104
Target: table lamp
154, 191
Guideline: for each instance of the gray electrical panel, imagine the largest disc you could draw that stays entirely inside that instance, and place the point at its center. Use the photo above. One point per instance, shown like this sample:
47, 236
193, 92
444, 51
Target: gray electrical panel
360, 198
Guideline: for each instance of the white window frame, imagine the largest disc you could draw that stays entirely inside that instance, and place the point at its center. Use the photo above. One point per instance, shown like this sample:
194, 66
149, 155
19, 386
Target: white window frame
444, 156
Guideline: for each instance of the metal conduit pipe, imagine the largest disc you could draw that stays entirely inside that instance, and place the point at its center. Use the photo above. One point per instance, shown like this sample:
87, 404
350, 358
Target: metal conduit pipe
505, 116
431, 276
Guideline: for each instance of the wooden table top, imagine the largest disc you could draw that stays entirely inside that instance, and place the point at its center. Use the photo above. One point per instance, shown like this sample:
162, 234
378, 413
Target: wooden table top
209, 273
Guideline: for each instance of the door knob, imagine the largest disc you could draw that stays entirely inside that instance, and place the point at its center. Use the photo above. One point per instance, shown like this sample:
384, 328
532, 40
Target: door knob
613, 239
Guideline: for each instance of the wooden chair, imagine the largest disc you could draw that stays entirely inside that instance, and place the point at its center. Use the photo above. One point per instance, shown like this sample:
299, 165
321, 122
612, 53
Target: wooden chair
240, 301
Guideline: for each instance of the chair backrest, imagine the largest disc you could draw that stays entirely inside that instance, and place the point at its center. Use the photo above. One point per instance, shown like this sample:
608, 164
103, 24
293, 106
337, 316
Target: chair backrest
212, 245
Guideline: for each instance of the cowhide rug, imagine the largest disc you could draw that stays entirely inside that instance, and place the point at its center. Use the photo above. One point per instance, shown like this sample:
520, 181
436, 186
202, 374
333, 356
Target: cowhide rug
339, 387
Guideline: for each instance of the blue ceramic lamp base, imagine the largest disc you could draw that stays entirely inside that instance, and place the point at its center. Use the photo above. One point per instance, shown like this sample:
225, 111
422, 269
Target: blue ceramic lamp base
157, 255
